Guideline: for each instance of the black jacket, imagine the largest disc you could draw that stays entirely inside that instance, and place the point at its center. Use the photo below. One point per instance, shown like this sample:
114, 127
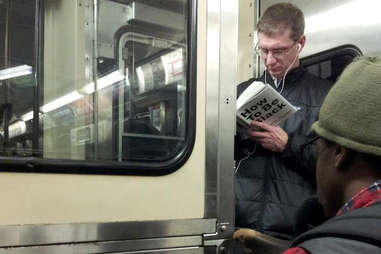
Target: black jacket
270, 187
357, 231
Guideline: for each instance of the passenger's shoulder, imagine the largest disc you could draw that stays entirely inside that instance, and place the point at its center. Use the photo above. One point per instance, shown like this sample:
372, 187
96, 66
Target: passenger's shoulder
316, 78
242, 86
247, 82
316, 81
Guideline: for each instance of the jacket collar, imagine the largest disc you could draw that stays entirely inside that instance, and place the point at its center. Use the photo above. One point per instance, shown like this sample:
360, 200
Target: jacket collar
291, 77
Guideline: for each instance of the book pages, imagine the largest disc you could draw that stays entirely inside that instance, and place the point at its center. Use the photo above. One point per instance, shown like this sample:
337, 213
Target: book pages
262, 103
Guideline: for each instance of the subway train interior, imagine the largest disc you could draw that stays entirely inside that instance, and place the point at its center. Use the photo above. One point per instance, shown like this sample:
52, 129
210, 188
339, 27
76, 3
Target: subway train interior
117, 117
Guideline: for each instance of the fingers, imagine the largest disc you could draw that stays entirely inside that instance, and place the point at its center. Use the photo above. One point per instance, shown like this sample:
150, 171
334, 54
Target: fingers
255, 242
243, 236
257, 134
271, 137
259, 130
261, 126
244, 233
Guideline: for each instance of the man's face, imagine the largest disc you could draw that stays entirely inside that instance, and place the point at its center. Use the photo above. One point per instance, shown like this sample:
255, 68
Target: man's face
279, 52
328, 189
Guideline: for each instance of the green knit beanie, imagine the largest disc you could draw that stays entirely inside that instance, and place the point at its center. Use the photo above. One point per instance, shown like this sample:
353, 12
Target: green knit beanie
351, 113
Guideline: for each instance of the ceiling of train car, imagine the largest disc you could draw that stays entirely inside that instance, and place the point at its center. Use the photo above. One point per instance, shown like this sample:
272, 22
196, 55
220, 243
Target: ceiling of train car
309, 7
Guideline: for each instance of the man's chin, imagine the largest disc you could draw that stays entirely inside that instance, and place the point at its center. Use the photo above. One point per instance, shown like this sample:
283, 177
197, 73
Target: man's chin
276, 74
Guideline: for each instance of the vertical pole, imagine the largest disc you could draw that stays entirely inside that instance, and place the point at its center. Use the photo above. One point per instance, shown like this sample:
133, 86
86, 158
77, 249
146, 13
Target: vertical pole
94, 63
38, 77
6, 108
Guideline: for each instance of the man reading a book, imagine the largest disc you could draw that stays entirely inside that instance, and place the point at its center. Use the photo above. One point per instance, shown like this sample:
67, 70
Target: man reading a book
275, 169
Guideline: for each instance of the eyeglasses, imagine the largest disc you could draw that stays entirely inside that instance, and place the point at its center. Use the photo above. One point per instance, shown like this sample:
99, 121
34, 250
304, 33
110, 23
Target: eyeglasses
276, 53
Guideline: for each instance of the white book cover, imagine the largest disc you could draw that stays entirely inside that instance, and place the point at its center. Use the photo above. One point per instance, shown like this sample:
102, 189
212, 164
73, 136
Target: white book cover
261, 102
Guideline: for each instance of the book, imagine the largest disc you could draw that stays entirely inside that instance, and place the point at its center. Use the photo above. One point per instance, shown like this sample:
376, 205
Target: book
261, 102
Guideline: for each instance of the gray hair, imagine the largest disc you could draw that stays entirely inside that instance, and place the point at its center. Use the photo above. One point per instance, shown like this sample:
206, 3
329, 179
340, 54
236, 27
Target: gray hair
279, 17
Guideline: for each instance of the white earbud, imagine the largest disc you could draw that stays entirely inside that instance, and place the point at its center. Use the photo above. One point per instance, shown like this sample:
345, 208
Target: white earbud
299, 47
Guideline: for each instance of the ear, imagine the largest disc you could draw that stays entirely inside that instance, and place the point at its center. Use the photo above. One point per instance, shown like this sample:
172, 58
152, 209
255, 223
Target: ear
301, 43
342, 156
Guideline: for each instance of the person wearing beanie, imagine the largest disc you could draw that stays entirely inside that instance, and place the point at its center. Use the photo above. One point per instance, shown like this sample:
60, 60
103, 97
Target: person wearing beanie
348, 170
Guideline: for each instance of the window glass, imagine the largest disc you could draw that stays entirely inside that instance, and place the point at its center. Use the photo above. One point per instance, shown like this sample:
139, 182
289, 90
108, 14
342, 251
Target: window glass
17, 62
330, 63
101, 80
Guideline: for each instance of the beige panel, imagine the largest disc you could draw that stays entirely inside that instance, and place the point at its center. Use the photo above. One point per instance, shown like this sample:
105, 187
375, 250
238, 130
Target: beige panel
64, 68
62, 198
245, 40
64, 58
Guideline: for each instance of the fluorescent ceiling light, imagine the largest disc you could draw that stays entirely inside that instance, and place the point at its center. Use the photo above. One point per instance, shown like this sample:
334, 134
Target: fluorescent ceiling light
62, 101
355, 13
14, 72
104, 81
28, 116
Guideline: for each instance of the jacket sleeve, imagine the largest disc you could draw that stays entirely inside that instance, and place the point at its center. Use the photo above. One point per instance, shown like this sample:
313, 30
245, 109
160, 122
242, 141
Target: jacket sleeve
301, 155
298, 154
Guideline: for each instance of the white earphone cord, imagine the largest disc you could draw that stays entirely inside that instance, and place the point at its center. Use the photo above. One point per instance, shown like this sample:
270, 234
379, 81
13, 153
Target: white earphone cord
248, 154
288, 69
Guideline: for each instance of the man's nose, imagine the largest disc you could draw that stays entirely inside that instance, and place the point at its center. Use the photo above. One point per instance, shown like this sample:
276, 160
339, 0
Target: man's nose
270, 59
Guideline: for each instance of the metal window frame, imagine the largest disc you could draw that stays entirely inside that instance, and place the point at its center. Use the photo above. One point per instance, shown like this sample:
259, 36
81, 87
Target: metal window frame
155, 168
200, 235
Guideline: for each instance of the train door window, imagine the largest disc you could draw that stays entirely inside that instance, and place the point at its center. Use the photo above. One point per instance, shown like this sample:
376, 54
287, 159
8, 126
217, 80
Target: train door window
330, 63
17, 54
98, 86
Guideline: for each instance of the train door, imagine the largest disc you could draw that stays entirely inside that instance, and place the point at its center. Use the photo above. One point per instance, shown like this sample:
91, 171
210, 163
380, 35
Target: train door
116, 125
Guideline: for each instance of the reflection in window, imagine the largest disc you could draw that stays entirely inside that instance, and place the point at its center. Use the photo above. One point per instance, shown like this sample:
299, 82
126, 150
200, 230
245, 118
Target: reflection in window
16, 79
113, 89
